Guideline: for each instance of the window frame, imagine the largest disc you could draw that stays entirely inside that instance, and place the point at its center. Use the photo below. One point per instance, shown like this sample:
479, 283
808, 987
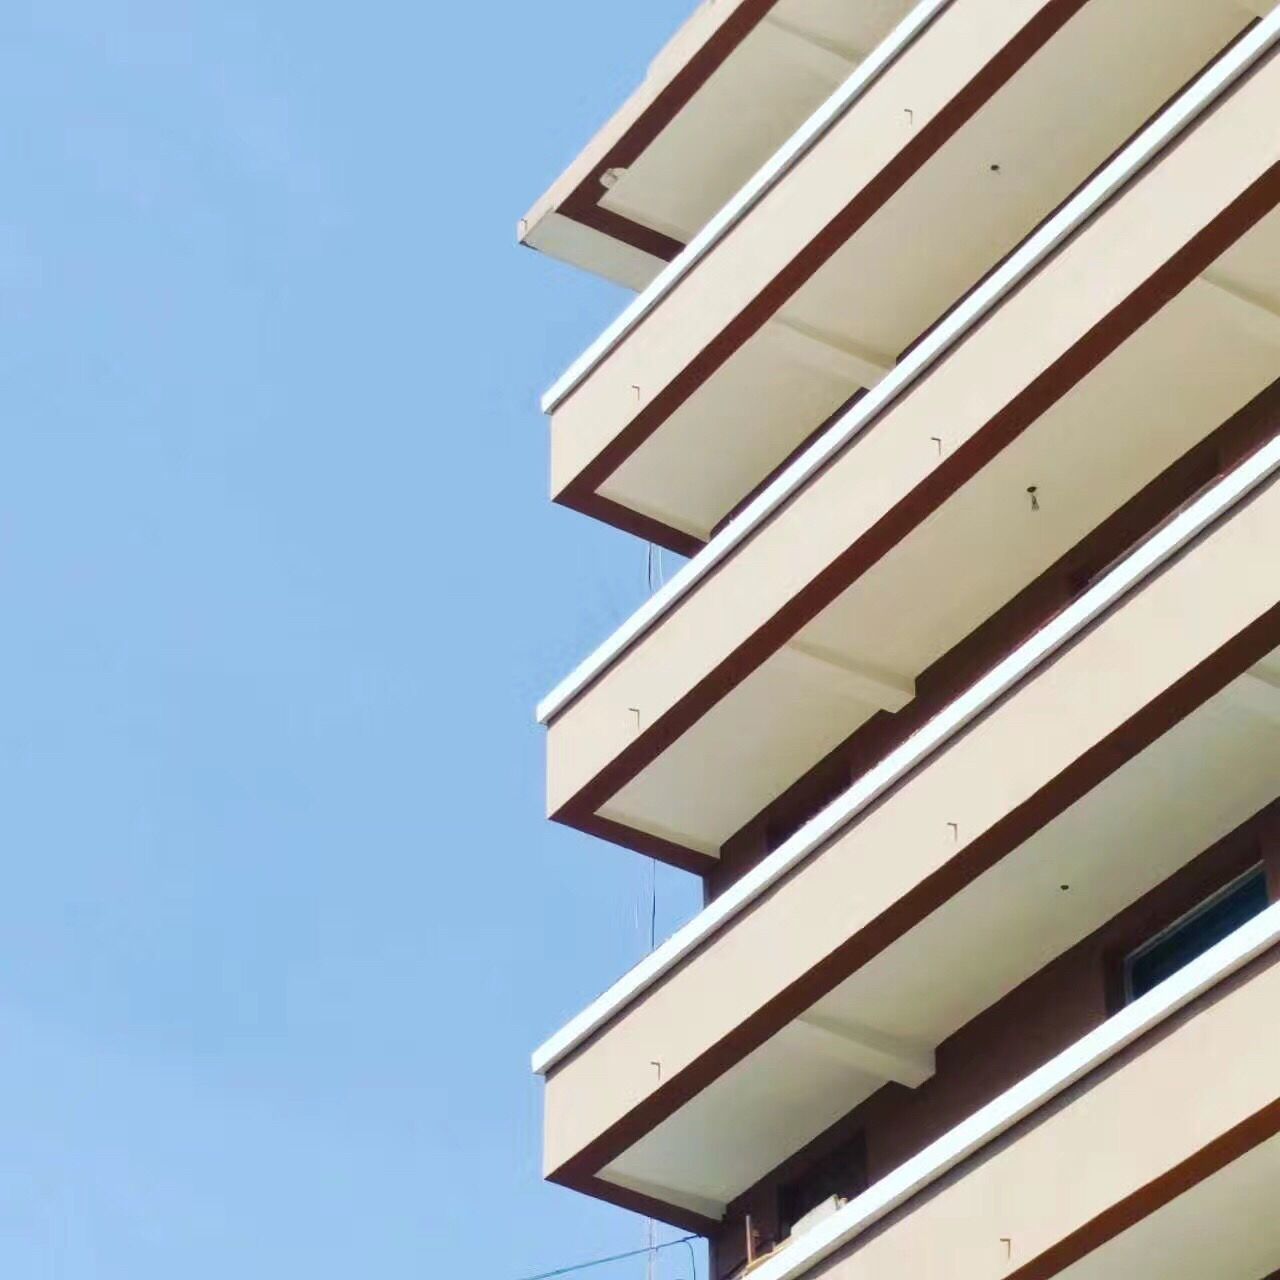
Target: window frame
1257, 871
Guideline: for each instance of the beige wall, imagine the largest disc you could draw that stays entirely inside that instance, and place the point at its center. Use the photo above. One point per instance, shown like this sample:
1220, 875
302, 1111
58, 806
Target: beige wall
945, 58
1215, 1071
699, 28
1083, 284
1178, 620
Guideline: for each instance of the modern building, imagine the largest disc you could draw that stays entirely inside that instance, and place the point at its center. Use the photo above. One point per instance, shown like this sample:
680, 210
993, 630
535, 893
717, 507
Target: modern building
954, 368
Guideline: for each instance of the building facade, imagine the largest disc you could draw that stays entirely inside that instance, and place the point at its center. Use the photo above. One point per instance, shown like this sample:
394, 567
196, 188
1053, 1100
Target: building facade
953, 368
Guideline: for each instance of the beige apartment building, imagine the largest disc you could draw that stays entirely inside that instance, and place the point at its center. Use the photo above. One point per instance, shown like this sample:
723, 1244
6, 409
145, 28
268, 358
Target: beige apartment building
953, 368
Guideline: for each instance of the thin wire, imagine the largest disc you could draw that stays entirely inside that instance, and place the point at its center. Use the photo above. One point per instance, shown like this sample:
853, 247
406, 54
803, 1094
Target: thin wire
653, 903
693, 1257
617, 1257
653, 574
653, 567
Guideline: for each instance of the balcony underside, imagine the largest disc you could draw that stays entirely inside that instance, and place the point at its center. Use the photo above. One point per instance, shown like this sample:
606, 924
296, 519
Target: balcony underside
1153, 734
724, 379
1158, 1158
1224, 1226
1195, 784
685, 760
744, 72
1195, 364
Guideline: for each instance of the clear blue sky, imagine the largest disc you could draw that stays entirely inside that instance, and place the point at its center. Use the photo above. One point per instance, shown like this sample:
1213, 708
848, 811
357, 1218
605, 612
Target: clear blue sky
281, 918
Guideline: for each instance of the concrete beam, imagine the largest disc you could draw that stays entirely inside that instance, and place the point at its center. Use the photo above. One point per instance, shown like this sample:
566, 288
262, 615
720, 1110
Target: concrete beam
866, 1050
828, 353
581, 246
863, 683
693, 1201
825, 58
1258, 315
1258, 692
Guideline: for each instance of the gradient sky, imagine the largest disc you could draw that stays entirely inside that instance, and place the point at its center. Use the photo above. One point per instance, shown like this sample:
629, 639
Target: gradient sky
281, 918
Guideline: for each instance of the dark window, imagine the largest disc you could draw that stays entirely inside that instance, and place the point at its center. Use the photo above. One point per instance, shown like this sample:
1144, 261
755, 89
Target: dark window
1194, 934
789, 817
842, 1172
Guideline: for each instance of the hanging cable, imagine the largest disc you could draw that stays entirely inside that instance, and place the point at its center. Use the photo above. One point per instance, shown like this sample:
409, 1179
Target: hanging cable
620, 1257
653, 577
653, 580
693, 1257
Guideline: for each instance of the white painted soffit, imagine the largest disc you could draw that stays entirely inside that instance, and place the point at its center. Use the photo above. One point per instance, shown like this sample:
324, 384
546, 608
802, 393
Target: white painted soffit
1166, 542
1189, 105
777, 167
1027, 1096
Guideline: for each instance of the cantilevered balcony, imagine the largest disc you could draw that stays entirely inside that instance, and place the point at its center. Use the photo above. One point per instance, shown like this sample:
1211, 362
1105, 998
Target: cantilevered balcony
730, 87
928, 165
1133, 731
1145, 317
1150, 1147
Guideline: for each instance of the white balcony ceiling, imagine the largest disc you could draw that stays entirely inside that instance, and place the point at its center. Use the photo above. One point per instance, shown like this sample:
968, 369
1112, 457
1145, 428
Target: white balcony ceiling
784, 69
1200, 359
1113, 65
1211, 772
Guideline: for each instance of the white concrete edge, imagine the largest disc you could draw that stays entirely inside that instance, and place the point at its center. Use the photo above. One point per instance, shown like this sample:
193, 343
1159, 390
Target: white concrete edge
582, 246
775, 168
975, 306
1167, 541
1027, 1096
